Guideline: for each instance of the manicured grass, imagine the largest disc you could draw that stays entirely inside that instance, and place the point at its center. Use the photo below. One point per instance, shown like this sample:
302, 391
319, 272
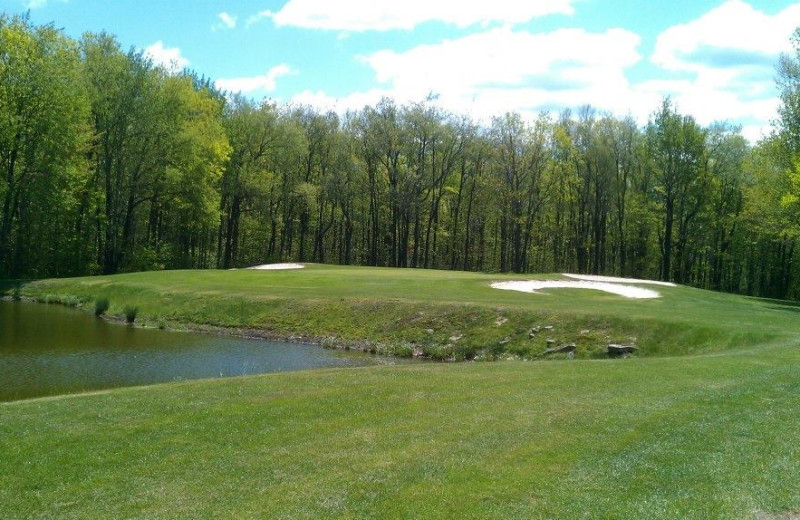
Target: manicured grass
701, 424
427, 308
689, 437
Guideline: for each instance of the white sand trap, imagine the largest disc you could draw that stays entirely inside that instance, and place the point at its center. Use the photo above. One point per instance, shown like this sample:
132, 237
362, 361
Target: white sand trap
531, 286
275, 267
614, 279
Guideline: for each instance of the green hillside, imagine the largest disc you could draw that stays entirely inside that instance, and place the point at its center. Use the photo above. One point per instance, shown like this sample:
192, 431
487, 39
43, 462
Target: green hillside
382, 308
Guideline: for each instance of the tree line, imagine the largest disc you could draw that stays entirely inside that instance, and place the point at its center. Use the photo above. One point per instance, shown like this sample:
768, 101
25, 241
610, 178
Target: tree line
112, 163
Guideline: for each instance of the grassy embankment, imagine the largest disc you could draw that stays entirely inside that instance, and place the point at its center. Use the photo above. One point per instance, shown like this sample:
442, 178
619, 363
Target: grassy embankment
695, 436
440, 314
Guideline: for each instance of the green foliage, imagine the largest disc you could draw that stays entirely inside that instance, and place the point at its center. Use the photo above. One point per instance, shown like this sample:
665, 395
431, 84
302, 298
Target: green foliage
130, 312
149, 169
101, 305
403, 350
44, 131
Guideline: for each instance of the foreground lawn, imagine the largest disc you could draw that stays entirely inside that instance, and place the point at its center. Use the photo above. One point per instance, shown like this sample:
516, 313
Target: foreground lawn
710, 436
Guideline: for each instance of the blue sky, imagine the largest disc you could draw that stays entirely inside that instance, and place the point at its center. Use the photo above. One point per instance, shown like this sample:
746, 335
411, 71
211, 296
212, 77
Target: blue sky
715, 58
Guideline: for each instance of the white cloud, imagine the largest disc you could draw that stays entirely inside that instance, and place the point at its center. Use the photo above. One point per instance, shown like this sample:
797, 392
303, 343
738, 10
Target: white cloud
263, 83
383, 15
36, 4
261, 15
729, 36
353, 101
499, 70
168, 57
729, 55
502, 69
226, 21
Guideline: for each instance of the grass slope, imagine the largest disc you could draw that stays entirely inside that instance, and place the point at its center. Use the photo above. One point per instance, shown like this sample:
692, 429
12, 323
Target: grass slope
710, 435
401, 307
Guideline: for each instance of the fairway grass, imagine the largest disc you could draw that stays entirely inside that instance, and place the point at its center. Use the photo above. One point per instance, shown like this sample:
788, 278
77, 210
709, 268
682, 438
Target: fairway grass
702, 423
697, 437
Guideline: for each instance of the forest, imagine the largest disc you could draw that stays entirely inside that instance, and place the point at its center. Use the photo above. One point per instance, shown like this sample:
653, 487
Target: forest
110, 163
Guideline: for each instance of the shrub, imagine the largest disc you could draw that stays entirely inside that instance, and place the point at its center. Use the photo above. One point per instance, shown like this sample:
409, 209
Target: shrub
438, 352
161, 323
16, 294
404, 350
496, 349
465, 352
100, 306
51, 298
130, 312
70, 301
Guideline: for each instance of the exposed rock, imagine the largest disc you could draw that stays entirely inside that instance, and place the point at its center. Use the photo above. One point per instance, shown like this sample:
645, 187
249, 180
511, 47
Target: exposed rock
453, 339
615, 349
500, 321
569, 347
550, 342
505, 340
548, 327
428, 331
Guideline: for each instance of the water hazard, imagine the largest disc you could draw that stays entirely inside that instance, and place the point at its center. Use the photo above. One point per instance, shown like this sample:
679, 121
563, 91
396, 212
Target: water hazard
50, 350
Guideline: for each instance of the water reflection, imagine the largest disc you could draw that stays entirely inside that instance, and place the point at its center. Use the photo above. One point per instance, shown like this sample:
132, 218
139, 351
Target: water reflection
50, 349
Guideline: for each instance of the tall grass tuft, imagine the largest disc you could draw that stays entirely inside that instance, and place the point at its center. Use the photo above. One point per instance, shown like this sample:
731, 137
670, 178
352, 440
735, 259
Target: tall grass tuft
101, 306
130, 312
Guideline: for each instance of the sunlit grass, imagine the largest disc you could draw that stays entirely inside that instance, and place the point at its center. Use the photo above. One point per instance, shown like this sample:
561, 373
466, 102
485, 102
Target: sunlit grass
429, 307
702, 424
691, 437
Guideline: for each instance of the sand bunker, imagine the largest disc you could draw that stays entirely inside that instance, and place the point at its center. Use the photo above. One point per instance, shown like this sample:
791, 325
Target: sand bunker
613, 279
531, 286
272, 267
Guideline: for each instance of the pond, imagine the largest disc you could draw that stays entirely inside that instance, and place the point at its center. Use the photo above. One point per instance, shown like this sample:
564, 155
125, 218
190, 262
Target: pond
51, 349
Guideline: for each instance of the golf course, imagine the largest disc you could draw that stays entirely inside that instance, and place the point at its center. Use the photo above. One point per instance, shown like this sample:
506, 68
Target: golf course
700, 422
314, 259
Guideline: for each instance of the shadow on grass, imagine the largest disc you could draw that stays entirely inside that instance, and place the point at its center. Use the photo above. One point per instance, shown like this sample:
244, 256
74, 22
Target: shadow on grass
7, 287
778, 305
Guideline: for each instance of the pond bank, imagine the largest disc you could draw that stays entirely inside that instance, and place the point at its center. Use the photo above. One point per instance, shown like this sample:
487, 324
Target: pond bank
446, 316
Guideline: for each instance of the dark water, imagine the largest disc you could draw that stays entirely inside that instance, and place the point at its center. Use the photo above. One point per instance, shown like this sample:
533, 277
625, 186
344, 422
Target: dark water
50, 349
